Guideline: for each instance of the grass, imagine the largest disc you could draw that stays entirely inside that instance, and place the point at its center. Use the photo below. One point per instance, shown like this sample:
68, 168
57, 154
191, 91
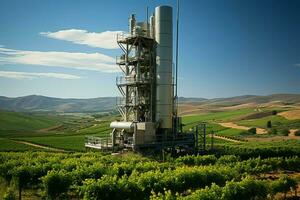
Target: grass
11, 122
256, 144
215, 117
65, 132
216, 141
101, 128
220, 116
278, 122
230, 132
73, 143
9, 145
262, 122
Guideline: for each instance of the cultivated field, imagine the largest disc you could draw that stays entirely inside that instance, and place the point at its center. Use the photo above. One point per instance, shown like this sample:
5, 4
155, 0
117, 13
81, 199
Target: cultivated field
39, 149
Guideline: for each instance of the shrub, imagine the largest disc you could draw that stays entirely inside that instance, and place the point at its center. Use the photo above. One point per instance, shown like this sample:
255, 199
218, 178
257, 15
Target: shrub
9, 195
252, 131
283, 184
248, 188
197, 160
56, 183
273, 131
284, 132
274, 112
226, 159
110, 187
297, 133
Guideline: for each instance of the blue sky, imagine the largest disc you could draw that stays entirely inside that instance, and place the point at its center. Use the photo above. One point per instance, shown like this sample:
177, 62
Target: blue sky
61, 48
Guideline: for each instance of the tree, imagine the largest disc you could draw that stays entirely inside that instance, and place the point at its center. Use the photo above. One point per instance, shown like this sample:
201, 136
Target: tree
22, 177
269, 124
297, 133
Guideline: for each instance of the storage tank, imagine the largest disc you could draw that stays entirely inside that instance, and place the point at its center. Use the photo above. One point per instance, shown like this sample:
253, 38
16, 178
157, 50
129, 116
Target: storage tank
164, 51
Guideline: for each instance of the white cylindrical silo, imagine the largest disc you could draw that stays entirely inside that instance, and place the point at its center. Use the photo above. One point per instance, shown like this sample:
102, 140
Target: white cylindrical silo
164, 51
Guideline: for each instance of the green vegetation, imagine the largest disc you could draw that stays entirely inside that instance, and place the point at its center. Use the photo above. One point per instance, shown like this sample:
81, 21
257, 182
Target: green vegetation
274, 121
237, 170
64, 132
99, 176
218, 116
230, 132
252, 131
9, 145
12, 122
260, 149
73, 143
247, 188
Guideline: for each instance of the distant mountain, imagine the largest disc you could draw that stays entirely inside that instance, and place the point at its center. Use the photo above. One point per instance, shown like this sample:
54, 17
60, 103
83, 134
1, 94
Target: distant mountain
284, 98
190, 99
36, 103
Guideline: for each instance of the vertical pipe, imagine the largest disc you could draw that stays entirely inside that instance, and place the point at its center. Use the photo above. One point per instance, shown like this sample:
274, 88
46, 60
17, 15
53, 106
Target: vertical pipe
147, 23
176, 68
126, 87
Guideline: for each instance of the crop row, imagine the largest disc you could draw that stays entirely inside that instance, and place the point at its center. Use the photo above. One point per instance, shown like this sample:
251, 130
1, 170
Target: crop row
92, 175
246, 189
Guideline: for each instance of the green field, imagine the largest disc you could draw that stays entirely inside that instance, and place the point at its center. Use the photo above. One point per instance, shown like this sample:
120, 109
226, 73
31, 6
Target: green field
12, 122
9, 145
276, 120
64, 132
217, 116
69, 131
132, 176
73, 143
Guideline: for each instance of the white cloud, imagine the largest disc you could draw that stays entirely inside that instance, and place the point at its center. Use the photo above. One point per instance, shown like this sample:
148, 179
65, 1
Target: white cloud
106, 40
82, 61
30, 75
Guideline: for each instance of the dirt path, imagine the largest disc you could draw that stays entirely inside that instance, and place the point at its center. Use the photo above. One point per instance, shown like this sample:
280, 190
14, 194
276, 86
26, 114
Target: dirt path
39, 146
233, 125
227, 139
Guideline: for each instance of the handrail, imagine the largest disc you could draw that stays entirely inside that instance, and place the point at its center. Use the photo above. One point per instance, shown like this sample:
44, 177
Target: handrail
123, 36
131, 80
132, 101
121, 59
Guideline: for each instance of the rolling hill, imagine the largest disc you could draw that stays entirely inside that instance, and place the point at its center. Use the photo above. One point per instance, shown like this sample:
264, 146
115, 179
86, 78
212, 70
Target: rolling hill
36, 103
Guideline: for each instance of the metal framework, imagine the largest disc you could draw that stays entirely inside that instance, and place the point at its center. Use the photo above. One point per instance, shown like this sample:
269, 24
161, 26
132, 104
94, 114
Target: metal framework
137, 85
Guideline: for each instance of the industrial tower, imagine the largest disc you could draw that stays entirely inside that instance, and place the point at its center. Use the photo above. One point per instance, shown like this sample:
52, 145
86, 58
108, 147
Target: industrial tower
148, 103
